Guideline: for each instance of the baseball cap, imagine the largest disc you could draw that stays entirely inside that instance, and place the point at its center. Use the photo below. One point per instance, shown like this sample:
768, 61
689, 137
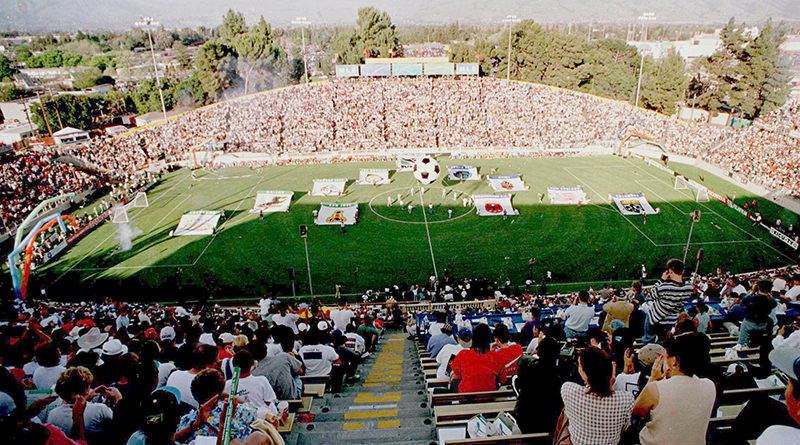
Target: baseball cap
167, 333
787, 360
649, 353
447, 329
226, 337
207, 339
7, 405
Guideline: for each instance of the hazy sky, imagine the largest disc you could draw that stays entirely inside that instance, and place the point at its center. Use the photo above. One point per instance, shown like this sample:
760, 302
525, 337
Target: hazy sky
120, 14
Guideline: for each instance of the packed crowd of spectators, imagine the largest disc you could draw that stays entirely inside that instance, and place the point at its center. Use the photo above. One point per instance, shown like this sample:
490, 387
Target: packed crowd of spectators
363, 116
111, 373
366, 115
28, 179
585, 381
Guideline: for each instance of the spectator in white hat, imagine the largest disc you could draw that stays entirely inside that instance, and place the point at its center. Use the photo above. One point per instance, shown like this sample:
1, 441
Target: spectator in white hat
786, 360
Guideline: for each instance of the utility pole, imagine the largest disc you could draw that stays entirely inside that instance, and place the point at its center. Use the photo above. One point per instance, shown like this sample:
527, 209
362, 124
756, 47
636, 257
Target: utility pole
509, 20
147, 23
302, 22
46, 121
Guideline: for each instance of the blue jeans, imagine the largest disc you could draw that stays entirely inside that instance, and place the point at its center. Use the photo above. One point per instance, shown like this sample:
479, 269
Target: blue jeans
573, 334
747, 328
648, 336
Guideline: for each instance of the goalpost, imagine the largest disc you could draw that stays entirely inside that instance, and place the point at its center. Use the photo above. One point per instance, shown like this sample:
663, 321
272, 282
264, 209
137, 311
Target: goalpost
681, 183
700, 192
120, 213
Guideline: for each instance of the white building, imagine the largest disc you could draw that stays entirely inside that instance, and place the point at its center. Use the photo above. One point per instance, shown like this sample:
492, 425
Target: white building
10, 136
69, 135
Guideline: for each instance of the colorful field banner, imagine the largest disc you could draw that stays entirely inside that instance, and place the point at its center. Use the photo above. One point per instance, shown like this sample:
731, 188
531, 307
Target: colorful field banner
507, 183
271, 201
494, 205
632, 204
405, 163
373, 176
346, 70
331, 214
329, 187
198, 222
463, 173
566, 195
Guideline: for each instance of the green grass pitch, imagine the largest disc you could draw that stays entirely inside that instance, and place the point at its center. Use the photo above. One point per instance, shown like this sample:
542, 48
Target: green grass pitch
249, 256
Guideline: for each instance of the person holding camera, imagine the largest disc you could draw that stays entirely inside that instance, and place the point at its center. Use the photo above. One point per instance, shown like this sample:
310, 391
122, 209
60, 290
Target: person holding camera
665, 301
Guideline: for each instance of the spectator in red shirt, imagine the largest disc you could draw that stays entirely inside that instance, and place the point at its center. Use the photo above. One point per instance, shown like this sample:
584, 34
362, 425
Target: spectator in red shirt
506, 354
475, 369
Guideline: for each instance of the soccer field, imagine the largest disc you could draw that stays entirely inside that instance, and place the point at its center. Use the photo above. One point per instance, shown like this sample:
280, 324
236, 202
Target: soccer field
248, 255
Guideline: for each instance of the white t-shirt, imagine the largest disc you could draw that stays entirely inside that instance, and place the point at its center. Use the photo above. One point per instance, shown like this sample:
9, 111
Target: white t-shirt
93, 417
256, 390
778, 284
628, 382
30, 367
45, 377
443, 358
578, 317
359, 344
273, 349
793, 293
164, 370
182, 381
435, 328
531, 349
779, 435
318, 359
289, 320
341, 318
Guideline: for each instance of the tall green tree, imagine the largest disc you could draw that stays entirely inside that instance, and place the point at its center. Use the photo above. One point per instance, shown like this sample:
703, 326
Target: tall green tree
665, 85
216, 69
375, 36
75, 111
6, 70
256, 52
233, 25
609, 69
763, 81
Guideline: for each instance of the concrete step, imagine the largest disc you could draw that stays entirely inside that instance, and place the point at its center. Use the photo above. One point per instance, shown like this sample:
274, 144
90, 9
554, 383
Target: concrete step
369, 434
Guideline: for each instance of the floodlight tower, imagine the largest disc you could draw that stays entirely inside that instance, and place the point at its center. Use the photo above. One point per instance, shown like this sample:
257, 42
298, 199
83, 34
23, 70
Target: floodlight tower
642, 51
644, 18
148, 23
302, 22
510, 20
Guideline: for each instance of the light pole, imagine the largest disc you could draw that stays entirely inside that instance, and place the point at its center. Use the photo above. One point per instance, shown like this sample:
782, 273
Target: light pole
639, 83
509, 20
147, 23
304, 235
302, 22
695, 216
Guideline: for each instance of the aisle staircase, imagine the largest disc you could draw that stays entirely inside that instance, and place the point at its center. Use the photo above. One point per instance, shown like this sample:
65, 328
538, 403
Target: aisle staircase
388, 405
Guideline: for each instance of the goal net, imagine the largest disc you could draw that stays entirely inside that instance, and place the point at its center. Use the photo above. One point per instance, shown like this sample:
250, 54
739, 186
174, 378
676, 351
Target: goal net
140, 200
702, 194
681, 183
120, 215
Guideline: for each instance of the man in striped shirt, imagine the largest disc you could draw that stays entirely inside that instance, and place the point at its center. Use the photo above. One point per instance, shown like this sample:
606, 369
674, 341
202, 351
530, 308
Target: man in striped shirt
665, 300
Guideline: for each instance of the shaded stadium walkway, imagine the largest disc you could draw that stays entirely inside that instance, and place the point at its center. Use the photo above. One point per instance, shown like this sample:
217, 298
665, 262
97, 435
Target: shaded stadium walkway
388, 405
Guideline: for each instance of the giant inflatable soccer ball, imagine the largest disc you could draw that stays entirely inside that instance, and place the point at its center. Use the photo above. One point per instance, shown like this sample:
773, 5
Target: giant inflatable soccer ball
426, 170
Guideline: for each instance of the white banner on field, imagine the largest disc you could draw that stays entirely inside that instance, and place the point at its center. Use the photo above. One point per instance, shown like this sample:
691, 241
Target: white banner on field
494, 205
507, 183
198, 222
405, 163
328, 187
566, 195
373, 176
463, 173
270, 201
632, 204
331, 214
